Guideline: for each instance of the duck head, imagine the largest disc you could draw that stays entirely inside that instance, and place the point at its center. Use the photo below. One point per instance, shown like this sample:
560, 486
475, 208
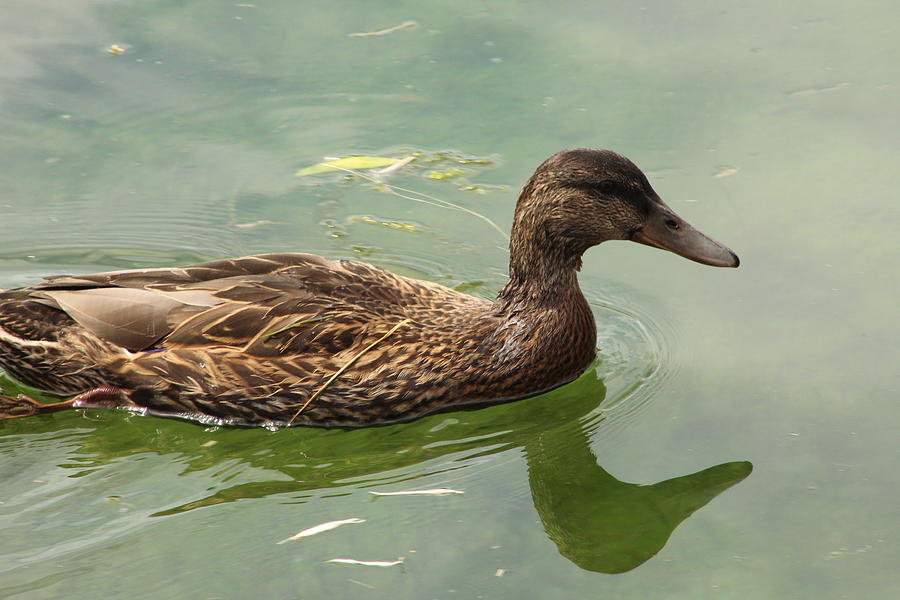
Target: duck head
582, 197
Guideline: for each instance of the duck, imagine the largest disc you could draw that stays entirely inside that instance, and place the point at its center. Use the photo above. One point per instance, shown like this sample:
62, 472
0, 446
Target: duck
295, 339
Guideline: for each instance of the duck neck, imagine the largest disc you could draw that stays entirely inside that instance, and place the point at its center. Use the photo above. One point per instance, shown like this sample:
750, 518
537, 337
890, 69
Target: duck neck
541, 273
544, 314
545, 320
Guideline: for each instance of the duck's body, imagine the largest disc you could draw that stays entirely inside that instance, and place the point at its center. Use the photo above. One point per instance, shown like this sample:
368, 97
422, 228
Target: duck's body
299, 339
249, 340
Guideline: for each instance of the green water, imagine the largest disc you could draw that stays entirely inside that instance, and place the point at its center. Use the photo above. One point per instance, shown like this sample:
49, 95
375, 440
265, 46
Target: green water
772, 128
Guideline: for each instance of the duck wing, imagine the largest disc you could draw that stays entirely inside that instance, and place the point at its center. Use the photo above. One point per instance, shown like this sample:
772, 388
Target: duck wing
132, 318
265, 305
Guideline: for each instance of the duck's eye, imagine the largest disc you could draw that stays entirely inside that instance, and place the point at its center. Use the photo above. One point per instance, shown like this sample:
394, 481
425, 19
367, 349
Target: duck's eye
606, 186
672, 224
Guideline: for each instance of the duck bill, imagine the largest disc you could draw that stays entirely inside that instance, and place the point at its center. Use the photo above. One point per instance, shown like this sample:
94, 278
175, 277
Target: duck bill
665, 230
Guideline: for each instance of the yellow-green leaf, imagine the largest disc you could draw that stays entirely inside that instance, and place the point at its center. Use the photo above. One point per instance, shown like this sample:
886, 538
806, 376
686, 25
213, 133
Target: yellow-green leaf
399, 225
348, 162
444, 175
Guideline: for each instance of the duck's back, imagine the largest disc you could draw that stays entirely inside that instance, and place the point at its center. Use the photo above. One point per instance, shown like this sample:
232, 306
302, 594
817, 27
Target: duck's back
233, 330
223, 302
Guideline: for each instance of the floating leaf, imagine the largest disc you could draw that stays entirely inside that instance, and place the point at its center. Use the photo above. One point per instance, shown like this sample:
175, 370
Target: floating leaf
445, 175
441, 163
398, 225
482, 188
467, 286
453, 157
365, 251
348, 162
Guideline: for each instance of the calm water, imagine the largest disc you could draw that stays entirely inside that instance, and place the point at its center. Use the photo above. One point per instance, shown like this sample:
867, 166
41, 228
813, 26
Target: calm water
772, 128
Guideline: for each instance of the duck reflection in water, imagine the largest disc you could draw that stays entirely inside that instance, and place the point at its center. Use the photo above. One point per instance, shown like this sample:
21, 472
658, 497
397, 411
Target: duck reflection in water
598, 522
606, 525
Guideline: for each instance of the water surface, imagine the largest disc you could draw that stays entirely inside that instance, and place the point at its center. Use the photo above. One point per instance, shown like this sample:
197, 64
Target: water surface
770, 127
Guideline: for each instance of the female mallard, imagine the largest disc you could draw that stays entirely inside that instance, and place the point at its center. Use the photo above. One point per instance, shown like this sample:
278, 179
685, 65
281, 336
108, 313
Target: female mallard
296, 339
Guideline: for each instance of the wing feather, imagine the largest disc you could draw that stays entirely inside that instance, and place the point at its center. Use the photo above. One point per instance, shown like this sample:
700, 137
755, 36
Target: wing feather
132, 318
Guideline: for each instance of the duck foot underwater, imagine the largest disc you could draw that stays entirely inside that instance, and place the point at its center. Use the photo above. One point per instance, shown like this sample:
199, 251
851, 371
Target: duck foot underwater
15, 407
297, 339
22, 405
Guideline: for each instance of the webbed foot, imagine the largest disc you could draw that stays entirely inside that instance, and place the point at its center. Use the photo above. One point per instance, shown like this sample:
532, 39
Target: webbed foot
15, 407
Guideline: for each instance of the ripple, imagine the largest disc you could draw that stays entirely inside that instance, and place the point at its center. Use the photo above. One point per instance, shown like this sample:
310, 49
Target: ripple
634, 357
59, 231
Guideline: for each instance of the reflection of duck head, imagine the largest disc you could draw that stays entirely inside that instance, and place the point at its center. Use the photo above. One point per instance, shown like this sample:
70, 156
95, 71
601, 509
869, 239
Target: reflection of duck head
606, 525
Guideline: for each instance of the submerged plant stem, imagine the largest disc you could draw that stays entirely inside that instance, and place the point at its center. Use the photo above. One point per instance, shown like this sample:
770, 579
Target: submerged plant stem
423, 198
385, 31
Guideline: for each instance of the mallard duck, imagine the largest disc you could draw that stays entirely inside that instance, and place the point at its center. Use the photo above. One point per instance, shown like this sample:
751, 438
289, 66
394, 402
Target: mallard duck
297, 339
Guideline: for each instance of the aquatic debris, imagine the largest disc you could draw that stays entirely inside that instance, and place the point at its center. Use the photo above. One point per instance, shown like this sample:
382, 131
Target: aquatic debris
817, 90
468, 286
347, 162
320, 528
398, 225
482, 188
384, 31
415, 196
452, 157
354, 165
726, 172
116, 49
445, 175
255, 224
432, 492
499, 572
396, 166
366, 563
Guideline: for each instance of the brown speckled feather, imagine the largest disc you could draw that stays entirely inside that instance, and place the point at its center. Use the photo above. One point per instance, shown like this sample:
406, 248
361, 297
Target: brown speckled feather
250, 340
